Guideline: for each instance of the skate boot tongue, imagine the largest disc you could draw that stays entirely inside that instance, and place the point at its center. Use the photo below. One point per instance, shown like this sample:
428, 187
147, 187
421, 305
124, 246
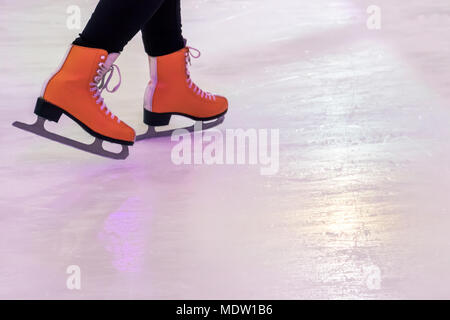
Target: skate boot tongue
112, 57
106, 71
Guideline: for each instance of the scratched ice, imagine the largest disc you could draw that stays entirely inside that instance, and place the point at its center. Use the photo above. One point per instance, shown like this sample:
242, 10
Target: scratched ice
358, 209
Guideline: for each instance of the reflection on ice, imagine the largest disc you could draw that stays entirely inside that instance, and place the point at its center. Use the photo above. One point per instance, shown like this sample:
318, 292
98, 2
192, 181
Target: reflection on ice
123, 236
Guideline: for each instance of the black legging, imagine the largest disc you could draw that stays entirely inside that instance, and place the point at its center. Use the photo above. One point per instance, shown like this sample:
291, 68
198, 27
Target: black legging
115, 22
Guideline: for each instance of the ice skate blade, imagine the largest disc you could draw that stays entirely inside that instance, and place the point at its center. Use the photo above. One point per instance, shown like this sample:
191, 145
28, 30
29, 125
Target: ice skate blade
152, 133
95, 148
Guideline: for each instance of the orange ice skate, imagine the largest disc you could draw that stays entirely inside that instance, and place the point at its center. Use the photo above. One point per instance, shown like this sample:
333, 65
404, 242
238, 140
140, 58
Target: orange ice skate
171, 91
75, 90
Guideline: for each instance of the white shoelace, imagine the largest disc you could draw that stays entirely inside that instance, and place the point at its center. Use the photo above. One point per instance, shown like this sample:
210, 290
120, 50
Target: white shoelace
191, 84
99, 84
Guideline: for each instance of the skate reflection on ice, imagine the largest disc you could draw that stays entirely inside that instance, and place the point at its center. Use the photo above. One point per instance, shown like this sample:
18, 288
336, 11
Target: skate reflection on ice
122, 236
152, 133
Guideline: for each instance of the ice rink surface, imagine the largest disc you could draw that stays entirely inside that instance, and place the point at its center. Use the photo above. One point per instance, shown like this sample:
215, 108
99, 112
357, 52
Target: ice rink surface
358, 209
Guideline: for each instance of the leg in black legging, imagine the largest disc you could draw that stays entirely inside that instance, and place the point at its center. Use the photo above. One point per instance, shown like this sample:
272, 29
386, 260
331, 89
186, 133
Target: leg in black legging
115, 22
162, 33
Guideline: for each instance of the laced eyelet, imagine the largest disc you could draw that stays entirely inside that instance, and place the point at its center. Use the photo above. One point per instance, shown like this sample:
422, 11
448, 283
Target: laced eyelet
202, 94
100, 83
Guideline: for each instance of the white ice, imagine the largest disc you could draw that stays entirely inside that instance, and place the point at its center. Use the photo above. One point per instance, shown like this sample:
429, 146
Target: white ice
359, 208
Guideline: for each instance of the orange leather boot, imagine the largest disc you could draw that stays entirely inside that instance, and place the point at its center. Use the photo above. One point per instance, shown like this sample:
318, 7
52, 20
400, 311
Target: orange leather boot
75, 90
172, 92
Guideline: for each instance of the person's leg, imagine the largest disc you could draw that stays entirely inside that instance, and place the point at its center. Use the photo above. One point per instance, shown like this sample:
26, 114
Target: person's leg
171, 89
162, 33
115, 22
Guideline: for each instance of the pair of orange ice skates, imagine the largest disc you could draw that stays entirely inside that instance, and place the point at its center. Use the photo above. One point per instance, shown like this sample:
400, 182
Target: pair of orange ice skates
76, 89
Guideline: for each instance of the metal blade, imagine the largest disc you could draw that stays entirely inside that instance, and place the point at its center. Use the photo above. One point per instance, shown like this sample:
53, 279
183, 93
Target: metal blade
95, 148
152, 133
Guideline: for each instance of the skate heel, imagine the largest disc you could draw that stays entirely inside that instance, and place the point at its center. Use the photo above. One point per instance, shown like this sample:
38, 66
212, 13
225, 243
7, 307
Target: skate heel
156, 119
47, 110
